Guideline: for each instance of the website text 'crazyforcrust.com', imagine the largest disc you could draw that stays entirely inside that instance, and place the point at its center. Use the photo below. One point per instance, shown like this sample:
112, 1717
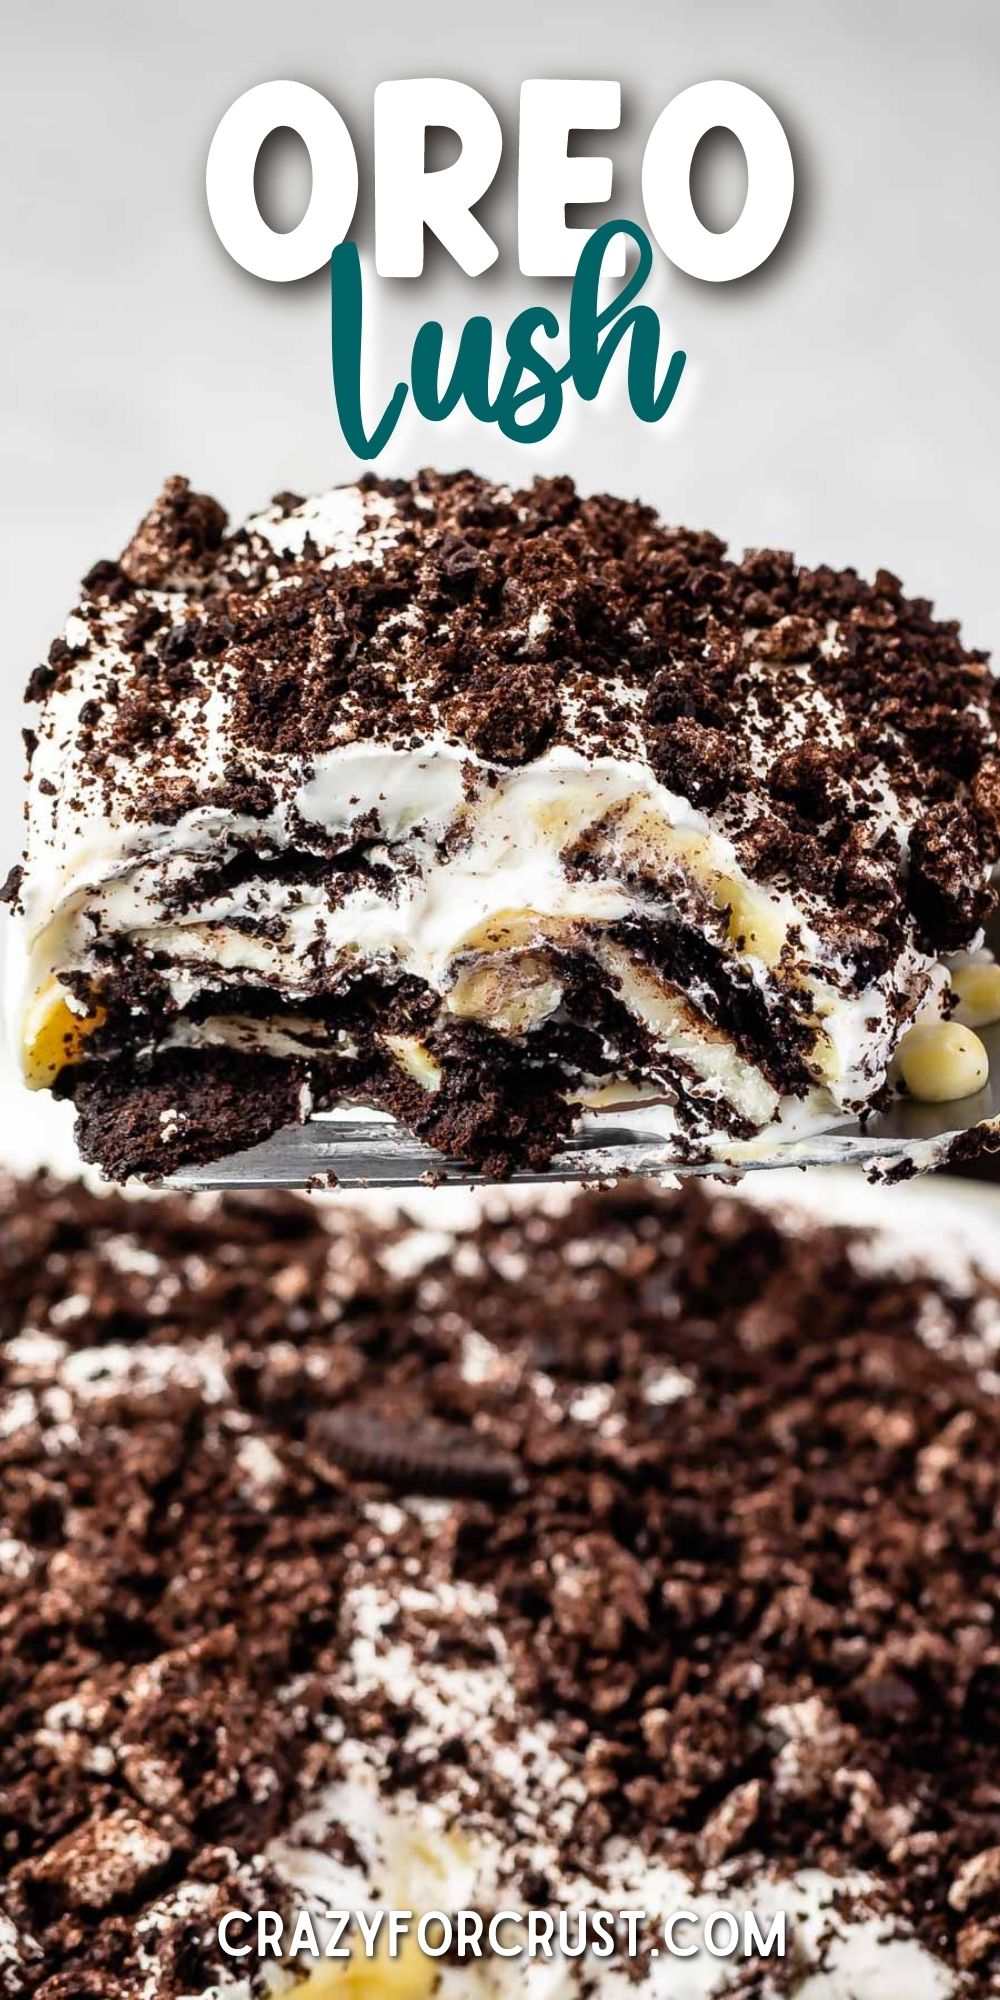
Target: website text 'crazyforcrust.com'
721, 1932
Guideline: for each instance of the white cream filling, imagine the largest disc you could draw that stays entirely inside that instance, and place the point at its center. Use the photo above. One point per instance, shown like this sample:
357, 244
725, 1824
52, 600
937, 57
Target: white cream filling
502, 879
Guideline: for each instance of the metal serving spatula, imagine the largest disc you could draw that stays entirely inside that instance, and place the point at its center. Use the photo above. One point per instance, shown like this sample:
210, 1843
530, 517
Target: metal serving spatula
367, 1149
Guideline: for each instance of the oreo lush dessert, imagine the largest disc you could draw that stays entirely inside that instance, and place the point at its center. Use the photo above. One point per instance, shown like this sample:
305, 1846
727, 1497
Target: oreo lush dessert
488, 808
640, 1553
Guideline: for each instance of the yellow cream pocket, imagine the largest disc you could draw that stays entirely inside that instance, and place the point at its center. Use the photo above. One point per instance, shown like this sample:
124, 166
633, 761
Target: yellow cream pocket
54, 1035
408, 1976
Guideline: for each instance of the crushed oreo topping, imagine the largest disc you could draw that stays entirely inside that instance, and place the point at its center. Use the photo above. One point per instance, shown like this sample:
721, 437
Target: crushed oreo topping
742, 1608
506, 620
175, 541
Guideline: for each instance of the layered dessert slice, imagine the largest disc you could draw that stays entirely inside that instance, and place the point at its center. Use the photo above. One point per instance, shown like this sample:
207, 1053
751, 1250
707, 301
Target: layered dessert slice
489, 808
638, 1556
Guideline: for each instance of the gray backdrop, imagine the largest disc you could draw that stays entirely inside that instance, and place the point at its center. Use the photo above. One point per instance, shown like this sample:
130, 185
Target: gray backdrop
842, 401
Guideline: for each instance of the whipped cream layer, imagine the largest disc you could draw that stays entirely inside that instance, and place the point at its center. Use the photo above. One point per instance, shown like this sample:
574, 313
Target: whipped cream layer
457, 879
451, 740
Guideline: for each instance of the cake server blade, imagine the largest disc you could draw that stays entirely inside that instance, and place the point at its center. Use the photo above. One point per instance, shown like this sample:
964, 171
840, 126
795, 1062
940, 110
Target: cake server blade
361, 1149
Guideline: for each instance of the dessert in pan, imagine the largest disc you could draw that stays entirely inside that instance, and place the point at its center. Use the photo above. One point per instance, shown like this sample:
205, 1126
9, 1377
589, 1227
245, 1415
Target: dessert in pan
641, 1552
493, 810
